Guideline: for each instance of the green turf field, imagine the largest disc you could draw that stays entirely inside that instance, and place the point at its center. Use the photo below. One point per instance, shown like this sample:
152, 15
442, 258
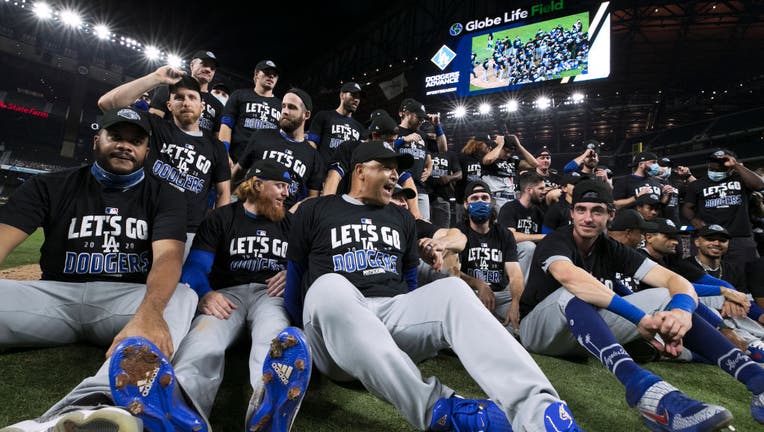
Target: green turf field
31, 380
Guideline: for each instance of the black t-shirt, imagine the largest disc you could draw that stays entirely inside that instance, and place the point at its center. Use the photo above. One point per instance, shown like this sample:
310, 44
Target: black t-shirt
424, 229
671, 208
608, 258
524, 220
332, 129
558, 214
728, 272
472, 169
247, 249
251, 112
484, 255
193, 164
443, 164
676, 264
630, 186
92, 234
723, 203
341, 162
303, 161
212, 108
418, 151
502, 167
369, 245
552, 179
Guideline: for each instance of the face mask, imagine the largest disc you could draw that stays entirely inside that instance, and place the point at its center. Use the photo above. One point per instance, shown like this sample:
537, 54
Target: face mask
479, 211
666, 173
653, 170
222, 99
718, 176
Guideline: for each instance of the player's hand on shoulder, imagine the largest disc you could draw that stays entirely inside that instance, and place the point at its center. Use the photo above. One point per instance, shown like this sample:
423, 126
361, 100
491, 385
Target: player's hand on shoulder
216, 304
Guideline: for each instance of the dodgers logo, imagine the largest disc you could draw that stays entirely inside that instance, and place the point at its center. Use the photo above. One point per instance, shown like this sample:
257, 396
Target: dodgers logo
456, 29
129, 114
443, 57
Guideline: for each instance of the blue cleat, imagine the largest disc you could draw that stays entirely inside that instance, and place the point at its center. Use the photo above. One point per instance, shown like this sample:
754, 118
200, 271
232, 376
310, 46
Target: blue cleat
757, 407
143, 382
666, 409
286, 374
756, 351
557, 418
468, 415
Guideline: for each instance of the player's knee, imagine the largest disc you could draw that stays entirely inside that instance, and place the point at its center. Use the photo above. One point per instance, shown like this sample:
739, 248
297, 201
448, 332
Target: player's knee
453, 288
331, 290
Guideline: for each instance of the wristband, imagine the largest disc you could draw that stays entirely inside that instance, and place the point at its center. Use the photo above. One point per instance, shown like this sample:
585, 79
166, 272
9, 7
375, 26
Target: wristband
438, 130
227, 145
684, 302
625, 309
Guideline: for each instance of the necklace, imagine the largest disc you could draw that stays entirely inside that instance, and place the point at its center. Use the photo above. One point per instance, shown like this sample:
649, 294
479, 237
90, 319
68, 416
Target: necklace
709, 269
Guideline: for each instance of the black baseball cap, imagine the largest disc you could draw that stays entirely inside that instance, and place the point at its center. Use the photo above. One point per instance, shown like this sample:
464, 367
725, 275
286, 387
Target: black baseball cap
542, 150
720, 154
650, 198
713, 231
476, 186
376, 113
351, 87
411, 105
630, 219
380, 150
268, 169
221, 86
592, 191
407, 193
643, 156
206, 56
266, 64
304, 97
664, 226
126, 115
665, 162
571, 178
383, 124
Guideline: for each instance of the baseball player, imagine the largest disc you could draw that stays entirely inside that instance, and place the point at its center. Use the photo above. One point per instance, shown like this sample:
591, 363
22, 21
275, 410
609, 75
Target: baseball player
351, 280
568, 305
237, 266
489, 262
642, 181
181, 155
410, 141
251, 109
500, 166
329, 129
203, 66
289, 146
110, 264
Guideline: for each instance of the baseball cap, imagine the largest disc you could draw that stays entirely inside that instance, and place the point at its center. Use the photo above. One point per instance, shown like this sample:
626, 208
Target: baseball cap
713, 231
651, 199
380, 150
476, 186
542, 150
411, 105
720, 154
593, 191
268, 169
383, 124
304, 97
571, 178
664, 226
206, 56
125, 115
630, 219
408, 193
665, 162
644, 156
351, 87
222, 87
266, 64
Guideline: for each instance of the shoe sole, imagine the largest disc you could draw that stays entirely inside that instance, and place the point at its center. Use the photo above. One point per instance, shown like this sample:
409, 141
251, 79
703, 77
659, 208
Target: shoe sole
718, 423
142, 381
286, 374
102, 420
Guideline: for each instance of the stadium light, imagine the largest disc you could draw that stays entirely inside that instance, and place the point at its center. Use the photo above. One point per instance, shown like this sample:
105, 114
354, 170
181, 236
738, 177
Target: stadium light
152, 52
101, 32
460, 111
543, 102
43, 11
513, 105
174, 61
577, 97
484, 108
71, 18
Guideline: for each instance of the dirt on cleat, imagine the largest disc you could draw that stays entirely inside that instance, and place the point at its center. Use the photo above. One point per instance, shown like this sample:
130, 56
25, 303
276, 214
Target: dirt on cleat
135, 407
277, 348
290, 341
267, 377
293, 393
121, 381
256, 427
299, 364
165, 380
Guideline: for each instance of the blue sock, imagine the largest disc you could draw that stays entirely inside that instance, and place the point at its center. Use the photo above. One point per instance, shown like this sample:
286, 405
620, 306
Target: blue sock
707, 314
591, 331
709, 343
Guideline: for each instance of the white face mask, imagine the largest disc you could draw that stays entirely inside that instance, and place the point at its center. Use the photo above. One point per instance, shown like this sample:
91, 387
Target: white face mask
222, 99
665, 172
